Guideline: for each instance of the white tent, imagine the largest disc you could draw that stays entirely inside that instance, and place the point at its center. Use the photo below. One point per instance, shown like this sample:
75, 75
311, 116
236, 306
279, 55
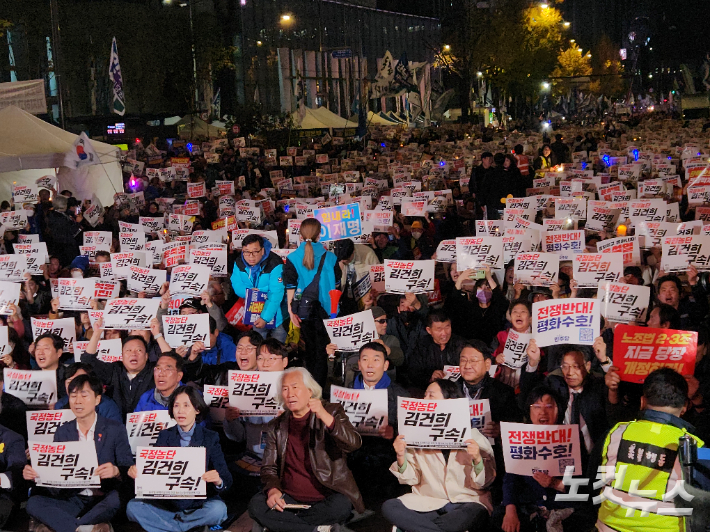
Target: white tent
321, 118
31, 148
196, 127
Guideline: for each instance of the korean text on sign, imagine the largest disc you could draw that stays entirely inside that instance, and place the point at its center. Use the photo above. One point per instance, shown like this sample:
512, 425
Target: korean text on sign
415, 276
143, 427
434, 424
475, 252
64, 327
537, 269
42, 424
546, 448
185, 330
640, 350
558, 321
171, 472
190, 279
254, 392
341, 221
351, 332
217, 398
590, 269
624, 303
366, 409
33, 387
65, 465
106, 351
130, 314
516, 346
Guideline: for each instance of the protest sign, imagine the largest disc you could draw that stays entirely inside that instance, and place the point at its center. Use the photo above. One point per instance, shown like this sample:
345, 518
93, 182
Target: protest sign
254, 306
106, 351
415, 276
151, 224
623, 303
98, 238
480, 412
640, 350
69, 464
680, 251
217, 398
14, 220
196, 190
214, 259
146, 280
130, 314
565, 243
143, 427
25, 194
9, 295
590, 269
132, 241
562, 321
494, 228
377, 277
628, 245
434, 424
32, 387
33, 248
13, 267
515, 350
186, 330
42, 424
549, 449
537, 269
446, 251
652, 234
174, 253
64, 327
341, 221
121, 263
106, 271
475, 252
190, 279
91, 251
248, 213
170, 472
254, 392
76, 294
351, 332
366, 409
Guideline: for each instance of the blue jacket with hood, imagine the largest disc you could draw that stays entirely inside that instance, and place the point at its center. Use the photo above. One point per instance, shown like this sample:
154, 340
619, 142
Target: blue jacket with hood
266, 276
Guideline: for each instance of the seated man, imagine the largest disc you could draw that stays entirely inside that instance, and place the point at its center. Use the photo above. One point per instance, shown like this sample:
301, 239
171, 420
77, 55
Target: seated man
67, 509
305, 461
198, 371
192, 305
222, 350
370, 462
438, 349
107, 407
167, 375
12, 463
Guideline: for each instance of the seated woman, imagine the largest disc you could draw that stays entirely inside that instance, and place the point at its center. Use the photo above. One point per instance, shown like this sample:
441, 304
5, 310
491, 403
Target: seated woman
187, 408
449, 489
530, 501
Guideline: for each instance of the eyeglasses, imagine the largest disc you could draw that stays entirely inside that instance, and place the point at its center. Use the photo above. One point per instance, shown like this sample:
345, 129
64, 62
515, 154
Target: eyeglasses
572, 367
383, 320
167, 371
252, 253
268, 360
248, 349
467, 363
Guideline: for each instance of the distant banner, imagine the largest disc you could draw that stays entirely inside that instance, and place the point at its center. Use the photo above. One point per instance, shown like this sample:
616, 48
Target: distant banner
548, 449
27, 95
640, 350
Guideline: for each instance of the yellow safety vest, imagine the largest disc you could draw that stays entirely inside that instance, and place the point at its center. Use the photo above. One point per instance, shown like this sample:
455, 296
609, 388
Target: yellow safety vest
646, 452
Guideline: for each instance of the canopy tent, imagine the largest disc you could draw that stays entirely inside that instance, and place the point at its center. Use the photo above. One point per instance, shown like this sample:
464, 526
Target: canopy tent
321, 118
390, 121
395, 118
194, 126
309, 121
31, 148
374, 119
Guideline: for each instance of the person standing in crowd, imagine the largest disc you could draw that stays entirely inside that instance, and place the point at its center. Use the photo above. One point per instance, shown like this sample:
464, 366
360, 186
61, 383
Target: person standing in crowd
305, 461
187, 407
560, 150
258, 268
449, 487
310, 273
545, 160
67, 509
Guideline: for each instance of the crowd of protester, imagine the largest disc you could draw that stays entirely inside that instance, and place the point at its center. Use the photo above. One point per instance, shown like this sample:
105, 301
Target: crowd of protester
310, 454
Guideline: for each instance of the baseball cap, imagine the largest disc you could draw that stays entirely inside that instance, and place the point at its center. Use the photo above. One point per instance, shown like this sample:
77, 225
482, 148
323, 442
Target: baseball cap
194, 303
378, 312
417, 225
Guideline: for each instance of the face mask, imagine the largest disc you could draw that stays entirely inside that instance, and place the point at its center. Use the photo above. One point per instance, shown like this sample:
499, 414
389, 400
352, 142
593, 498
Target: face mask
484, 296
416, 235
651, 260
77, 275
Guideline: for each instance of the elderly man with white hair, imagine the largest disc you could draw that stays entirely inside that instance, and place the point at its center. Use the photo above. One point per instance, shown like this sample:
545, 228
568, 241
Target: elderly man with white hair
305, 462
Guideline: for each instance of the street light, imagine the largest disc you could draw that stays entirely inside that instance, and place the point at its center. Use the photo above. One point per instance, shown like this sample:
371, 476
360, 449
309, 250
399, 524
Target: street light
447, 47
545, 85
479, 74
566, 24
544, 6
286, 18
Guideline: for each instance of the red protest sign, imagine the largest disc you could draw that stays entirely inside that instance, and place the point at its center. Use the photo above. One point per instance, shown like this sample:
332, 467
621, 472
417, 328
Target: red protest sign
640, 350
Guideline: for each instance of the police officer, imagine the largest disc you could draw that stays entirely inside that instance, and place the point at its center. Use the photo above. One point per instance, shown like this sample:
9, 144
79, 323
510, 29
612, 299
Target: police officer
644, 453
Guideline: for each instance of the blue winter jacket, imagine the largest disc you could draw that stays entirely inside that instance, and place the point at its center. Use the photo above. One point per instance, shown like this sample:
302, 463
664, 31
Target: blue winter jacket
266, 277
223, 351
298, 277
